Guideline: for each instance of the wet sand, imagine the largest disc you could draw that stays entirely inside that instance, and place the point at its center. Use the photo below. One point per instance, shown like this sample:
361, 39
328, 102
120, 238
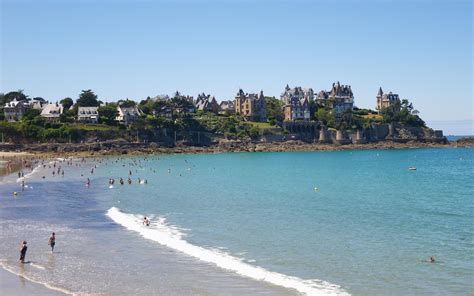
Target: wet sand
12, 284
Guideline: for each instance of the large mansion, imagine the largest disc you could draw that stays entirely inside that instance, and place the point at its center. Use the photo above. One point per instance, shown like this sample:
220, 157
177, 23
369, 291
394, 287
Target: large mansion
296, 103
385, 100
251, 106
339, 99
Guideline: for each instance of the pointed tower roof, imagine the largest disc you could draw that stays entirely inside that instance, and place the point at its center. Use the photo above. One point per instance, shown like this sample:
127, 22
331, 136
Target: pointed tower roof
380, 93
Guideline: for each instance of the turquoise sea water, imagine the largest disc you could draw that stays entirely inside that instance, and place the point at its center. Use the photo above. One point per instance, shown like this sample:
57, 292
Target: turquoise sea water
356, 222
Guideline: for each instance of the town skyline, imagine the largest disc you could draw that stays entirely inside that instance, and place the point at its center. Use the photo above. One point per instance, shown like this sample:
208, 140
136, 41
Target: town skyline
135, 50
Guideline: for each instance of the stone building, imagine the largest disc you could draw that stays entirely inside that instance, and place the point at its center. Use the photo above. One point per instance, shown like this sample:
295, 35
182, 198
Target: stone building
297, 92
88, 114
339, 99
297, 110
385, 100
207, 103
14, 110
296, 103
37, 104
227, 107
251, 106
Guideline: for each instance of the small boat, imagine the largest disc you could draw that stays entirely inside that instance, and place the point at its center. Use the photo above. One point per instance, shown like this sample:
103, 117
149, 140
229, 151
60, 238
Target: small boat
412, 168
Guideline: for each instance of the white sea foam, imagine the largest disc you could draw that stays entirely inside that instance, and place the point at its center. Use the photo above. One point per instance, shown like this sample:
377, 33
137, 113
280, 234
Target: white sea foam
30, 174
37, 266
170, 236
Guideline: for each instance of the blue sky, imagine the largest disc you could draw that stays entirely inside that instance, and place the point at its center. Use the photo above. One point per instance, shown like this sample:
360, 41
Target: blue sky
421, 50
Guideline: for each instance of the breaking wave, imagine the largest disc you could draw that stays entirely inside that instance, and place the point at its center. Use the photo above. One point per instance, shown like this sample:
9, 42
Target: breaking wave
170, 236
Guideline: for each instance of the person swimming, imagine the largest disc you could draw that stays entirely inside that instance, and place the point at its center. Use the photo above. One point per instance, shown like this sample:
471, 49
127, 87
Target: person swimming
146, 222
432, 259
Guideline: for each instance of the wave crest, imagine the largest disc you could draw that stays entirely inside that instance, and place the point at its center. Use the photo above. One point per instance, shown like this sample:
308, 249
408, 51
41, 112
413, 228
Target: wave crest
171, 236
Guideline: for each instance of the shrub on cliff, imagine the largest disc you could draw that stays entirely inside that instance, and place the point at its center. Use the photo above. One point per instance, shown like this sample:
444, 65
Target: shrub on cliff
402, 112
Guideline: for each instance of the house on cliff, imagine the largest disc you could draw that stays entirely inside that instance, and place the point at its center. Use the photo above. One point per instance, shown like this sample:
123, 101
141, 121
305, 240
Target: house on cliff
227, 107
52, 112
207, 103
88, 114
339, 99
14, 110
385, 100
251, 106
296, 92
127, 114
296, 103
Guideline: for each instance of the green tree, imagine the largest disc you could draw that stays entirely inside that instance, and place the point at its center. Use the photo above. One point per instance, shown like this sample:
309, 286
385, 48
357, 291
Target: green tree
87, 98
402, 112
30, 114
146, 106
108, 113
67, 116
254, 133
274, 109
67, 103
127, 103
325, 116
313, 107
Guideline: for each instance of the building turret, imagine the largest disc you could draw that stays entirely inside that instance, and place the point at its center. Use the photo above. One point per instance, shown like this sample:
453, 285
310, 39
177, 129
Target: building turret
380, 93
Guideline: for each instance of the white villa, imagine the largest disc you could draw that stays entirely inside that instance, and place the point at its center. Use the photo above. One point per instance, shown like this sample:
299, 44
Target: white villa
88, 114
52, 112
14, 110
127, 114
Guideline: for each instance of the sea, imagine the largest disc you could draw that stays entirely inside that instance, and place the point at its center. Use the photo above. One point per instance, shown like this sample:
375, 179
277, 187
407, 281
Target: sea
355, 222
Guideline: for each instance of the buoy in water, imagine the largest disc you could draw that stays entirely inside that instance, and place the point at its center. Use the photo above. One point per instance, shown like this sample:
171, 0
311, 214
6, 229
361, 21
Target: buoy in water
315, 189
14, 192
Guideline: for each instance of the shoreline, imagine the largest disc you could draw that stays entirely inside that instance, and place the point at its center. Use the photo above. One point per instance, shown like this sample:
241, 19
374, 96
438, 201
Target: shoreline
134, 148
15, 284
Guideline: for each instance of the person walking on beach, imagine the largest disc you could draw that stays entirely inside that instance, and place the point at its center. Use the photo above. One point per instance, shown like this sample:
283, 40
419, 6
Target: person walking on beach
23, 249
52, 241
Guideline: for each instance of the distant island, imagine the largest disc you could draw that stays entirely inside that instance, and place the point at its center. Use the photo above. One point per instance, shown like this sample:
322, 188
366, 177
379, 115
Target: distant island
300, 118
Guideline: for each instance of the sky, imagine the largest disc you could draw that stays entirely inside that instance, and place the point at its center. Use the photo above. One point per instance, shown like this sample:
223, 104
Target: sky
422, 50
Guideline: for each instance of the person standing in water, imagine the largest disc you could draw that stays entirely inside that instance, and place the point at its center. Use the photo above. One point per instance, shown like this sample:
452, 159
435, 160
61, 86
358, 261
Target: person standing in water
52, 241
23, 249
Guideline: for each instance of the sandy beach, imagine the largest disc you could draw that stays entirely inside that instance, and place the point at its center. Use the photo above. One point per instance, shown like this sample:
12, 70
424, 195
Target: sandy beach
9, 154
